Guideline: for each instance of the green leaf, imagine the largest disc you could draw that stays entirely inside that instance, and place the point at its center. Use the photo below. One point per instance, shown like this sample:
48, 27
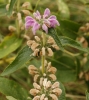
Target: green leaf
9, 44
63, 9
68, 28
11, 88
10, 98
63, 41
11, 6
19, 62
62, 96
3, 10
87, 96
71, 43
66, 68
53, 33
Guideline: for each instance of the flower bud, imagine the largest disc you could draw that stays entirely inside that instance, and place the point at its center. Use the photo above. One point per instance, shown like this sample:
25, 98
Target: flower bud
53, 96
53, 77
55, 46
19, 16
50, 52
42, 97
52, 70
43, 51
35, 53
55, 85
35, 78
34, 45
37, 38
36, 86
41, 81
46, 98
7, 7
26, 5
34, 92
12, 28
57, 91
20, 23
49, 65
30, 42
36, 98
50, 40
26, 12
48, 84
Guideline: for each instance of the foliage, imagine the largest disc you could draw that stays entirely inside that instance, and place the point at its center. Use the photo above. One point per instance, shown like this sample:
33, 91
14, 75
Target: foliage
71, 60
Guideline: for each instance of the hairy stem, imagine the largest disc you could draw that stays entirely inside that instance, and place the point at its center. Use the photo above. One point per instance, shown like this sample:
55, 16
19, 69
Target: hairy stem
43, 56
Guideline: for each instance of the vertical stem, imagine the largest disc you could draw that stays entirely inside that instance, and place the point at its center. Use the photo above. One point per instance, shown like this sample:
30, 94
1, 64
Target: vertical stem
43, 57
18, 5
17, 22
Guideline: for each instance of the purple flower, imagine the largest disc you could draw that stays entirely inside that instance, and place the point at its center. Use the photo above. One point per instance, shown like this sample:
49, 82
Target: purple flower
44, 21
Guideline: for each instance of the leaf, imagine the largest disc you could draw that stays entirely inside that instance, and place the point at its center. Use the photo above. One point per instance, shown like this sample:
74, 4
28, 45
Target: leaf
62, 96
53, 33
9, 44
3, 10
87, 96
66, 68
11, 6
11, 88
20, 60
63, 41
63, 9
10, 98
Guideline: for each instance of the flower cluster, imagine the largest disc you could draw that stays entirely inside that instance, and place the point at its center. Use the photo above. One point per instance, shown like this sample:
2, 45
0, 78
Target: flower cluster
38, 49
44, 21
45, 85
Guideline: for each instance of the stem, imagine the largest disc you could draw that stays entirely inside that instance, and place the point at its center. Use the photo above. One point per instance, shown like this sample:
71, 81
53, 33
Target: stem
37, 4
18, 5
17, 22
43, 57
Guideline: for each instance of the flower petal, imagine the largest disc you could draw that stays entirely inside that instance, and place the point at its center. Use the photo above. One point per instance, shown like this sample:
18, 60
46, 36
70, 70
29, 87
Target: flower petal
37, 15
45, 28
28, 18
36, 26
52, 17
46, 13
53, 22
29, 23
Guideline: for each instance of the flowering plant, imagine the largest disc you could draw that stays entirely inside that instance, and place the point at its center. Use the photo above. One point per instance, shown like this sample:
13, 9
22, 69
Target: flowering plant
53, 51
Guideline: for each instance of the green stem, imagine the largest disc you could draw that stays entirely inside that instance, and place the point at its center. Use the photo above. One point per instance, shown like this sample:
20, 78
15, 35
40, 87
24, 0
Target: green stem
17, 22
43, 57
37, 4
18, 5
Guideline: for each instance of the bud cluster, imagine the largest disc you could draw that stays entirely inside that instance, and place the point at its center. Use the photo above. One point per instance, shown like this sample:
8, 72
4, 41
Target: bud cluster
45, 85
39, 49
18, 15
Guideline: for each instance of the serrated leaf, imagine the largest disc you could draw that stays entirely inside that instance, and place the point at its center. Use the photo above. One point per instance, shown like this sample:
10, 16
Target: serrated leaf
10, 98
11, 6
65, 41
9, 44
20, 60
11, 88
62, 96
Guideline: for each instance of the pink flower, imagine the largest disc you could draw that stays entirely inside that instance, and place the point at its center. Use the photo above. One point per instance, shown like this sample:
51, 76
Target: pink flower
44, 21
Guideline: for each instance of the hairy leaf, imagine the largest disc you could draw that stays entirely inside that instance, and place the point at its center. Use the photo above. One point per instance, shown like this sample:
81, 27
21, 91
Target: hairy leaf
9, 44
11, 88
23, 56
63, 41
